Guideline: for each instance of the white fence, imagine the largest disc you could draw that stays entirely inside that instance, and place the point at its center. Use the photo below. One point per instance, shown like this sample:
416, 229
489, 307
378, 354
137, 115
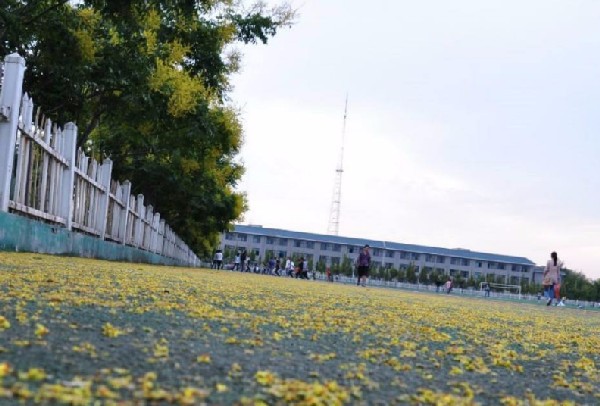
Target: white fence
43, 176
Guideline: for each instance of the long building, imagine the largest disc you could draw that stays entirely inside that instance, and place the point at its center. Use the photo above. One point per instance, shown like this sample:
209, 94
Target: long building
267, 242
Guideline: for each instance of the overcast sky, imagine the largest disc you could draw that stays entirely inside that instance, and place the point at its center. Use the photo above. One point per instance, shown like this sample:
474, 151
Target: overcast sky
471, 124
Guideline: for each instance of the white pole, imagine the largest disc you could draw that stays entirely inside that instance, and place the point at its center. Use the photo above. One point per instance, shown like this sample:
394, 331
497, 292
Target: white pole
10, 101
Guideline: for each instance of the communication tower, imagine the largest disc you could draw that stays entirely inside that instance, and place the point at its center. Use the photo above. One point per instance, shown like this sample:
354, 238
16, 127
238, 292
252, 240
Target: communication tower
336, 200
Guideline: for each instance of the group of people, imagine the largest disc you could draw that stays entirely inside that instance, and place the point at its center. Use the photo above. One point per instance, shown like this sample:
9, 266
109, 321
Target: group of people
551, 281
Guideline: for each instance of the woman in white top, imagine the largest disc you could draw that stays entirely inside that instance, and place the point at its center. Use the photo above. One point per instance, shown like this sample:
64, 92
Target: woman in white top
551, 276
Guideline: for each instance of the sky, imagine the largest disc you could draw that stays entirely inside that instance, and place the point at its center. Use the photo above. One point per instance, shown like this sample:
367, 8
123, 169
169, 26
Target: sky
471, 124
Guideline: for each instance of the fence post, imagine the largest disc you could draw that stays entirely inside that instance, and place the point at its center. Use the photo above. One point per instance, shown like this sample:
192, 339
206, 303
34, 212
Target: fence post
102, 214
126, 188
139, 221
155, 231
68, 176
10, 101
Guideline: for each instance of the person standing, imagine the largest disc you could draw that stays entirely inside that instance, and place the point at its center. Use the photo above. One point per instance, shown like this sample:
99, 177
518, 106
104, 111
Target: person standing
363, 263
300, 268
449, 286
243, 261
219, 259
486, 287
214, 262
236, 264
551, 277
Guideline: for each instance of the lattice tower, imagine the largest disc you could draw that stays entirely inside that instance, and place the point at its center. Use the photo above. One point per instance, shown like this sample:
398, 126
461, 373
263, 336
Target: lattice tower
336, 200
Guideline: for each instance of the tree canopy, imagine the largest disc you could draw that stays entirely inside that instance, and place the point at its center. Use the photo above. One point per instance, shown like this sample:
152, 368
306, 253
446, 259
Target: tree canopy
148, 84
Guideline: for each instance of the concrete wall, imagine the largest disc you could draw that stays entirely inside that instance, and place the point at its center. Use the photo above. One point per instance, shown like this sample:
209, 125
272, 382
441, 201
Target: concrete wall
19, 233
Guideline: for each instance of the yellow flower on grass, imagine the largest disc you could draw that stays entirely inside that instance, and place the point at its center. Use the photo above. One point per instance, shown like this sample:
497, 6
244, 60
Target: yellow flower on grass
34, 374
189, 396
4, 369
4, 324
111, 331
265, 377
41, 330
204, 358
221, 388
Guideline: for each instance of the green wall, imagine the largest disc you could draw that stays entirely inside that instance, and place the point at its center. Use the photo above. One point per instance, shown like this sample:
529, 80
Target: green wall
19, 233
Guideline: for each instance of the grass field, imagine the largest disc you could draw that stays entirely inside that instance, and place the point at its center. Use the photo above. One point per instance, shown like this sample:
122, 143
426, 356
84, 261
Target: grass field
80, 331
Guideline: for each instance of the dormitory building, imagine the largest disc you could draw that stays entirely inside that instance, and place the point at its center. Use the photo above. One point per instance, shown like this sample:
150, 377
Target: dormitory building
331, 249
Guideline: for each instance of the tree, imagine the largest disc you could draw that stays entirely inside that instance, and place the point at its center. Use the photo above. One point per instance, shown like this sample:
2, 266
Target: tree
411, 276
147, 82
346, 267
424, 275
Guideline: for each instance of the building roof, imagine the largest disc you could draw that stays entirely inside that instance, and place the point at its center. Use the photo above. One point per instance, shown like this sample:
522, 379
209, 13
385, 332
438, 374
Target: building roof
421, 249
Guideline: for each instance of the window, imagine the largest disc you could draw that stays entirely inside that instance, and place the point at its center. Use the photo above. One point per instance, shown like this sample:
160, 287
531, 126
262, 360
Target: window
350, 250
389, 254
440, 259
479, 264
270, 240
229, 236
242, 237
323, 258
376, 252
299, 243
389, 265
336, 247
404, 255
454, 272
491, 265
283, 242
429, 258
415, 256
454, 261
335, 260
256, 239
282, 254
500, 266
310, 245
324, 246
464, 274
465, 262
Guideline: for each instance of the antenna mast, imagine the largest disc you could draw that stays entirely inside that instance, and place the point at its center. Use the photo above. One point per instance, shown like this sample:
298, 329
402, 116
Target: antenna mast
336, 200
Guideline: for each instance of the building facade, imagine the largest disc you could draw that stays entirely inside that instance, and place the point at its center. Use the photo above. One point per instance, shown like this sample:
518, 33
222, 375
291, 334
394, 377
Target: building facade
263, 243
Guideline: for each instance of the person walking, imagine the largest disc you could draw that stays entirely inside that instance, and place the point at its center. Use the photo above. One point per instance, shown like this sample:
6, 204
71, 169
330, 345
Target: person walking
551, 277
557, 289
363, 263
